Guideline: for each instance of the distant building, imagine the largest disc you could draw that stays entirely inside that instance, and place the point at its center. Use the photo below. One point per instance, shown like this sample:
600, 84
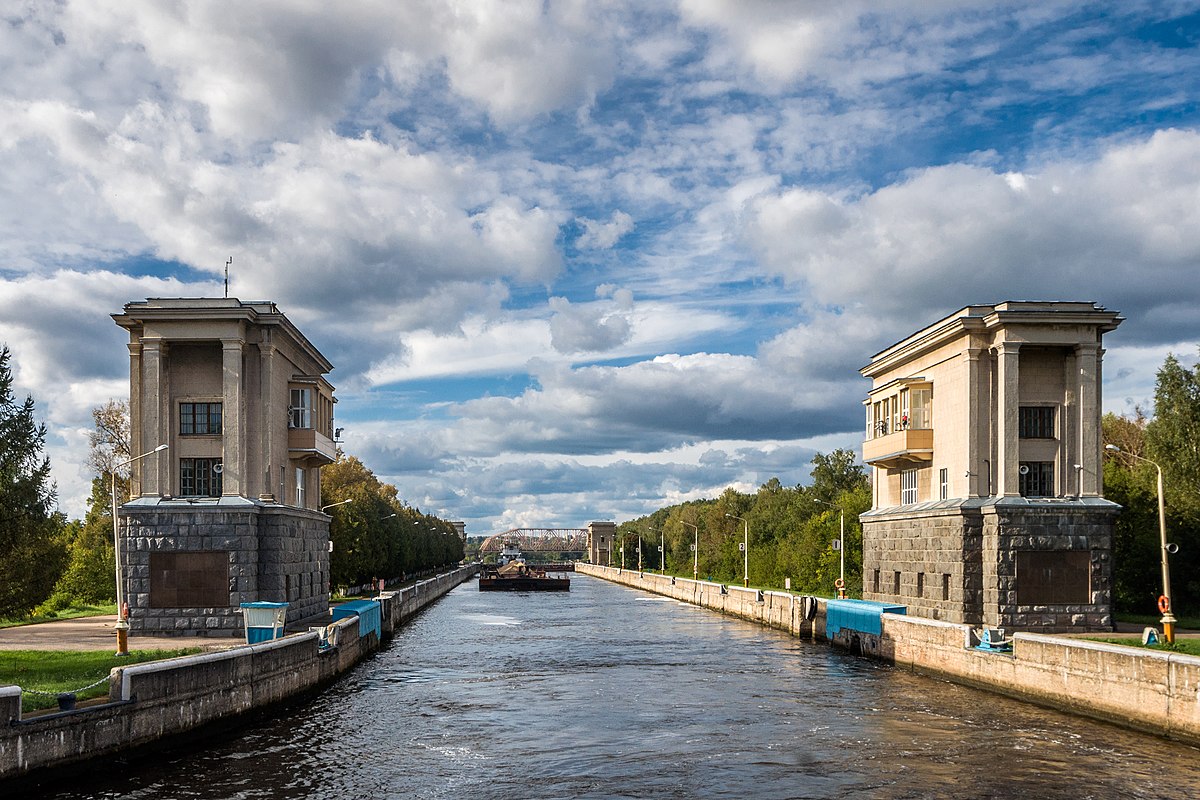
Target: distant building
983, 431
600, 537
229, 513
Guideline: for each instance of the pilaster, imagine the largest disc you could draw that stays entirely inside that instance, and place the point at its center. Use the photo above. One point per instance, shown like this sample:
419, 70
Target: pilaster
233, 460
1008, 373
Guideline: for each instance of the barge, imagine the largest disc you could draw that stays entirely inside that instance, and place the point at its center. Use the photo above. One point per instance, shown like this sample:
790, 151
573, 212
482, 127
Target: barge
517, 576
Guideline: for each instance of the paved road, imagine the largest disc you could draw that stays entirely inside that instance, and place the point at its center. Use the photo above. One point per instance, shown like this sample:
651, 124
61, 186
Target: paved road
97, 633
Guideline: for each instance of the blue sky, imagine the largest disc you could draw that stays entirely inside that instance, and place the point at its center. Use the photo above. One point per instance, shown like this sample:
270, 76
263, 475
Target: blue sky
579, 260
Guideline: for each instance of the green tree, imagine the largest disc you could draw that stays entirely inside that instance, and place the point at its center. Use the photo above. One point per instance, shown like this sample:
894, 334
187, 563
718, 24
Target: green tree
1173, 442
32, 553
376, 535
89, 576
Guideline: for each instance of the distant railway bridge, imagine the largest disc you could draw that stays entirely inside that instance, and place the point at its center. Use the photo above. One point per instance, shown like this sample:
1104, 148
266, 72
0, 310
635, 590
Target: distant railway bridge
538, 540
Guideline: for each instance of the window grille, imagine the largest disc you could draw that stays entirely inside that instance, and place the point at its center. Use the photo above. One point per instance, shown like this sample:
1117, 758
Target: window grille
908, 487
1036, 479
197, 419
1036, 422
199, 477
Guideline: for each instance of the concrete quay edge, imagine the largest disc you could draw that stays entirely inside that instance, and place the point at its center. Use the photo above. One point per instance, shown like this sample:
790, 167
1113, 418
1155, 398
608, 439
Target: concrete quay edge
1150, 691
178, 698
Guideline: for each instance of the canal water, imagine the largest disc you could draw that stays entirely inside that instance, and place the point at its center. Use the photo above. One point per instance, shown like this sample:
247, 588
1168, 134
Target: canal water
606, 692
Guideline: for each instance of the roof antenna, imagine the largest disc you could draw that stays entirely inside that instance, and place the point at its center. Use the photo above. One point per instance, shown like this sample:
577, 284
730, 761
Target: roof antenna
227, 263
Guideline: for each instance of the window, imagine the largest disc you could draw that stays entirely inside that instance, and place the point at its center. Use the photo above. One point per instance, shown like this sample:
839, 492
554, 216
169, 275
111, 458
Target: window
944, 480
199, 477
920, 584
300, 486
1036, 422
196, 419
921, 408
1036, 479
945, 586
908, 487
875, 582
896, 583
300, 412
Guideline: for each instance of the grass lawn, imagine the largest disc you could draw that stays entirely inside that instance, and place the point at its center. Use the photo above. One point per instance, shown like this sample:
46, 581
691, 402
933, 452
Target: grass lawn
69, 613
1151, 620
57, 671
1189, 646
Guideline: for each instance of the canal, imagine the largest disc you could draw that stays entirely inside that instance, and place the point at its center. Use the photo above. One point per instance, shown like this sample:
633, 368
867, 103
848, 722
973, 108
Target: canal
606, 692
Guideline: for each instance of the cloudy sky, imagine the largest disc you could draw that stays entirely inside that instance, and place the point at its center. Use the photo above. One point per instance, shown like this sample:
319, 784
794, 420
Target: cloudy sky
578, 260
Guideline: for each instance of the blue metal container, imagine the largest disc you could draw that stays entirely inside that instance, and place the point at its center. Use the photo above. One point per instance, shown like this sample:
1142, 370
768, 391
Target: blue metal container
264, 621
368, 613
859, 616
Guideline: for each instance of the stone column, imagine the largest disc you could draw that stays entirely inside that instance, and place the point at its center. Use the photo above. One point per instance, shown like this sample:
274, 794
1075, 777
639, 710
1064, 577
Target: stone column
977, 479
1088, 358
135, 412
268, 443
1008, 372
155, 422
233, 460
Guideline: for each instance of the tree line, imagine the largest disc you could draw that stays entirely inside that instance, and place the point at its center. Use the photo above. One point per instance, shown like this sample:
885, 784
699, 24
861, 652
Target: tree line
792, 529
50, 563
1170, 440
793, 532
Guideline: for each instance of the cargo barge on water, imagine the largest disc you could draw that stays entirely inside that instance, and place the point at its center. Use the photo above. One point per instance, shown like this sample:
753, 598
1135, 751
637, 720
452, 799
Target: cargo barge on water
517, 576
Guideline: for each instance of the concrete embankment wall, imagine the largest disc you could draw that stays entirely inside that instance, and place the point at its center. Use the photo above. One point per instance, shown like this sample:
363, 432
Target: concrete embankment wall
1150, 690
161, 699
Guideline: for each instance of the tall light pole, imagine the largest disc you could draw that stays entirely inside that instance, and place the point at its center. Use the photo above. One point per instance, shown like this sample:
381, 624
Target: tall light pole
122, 625
841, 584
338, 503
1164, 602
745, 549
695, 550
639, 551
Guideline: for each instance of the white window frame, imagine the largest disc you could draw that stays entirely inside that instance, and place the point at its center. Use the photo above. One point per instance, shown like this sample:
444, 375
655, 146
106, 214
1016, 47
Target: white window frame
944, 480
300, 410
300, 476
909, 480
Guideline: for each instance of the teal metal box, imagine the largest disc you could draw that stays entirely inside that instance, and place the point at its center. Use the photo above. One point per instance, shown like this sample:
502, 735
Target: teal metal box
368, 613
264, 621
859, 616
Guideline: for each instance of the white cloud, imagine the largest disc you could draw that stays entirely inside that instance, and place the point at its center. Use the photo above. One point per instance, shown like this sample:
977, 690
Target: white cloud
604, 235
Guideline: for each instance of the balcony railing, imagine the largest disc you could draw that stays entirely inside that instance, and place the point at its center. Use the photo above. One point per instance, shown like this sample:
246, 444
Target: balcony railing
308, 440
901, 447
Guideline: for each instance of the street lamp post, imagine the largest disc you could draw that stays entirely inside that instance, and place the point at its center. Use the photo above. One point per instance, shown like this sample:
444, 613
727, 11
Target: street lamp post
338, 503
695, 550
841, 584
745, 549
122, 625
1164, 602
639, 551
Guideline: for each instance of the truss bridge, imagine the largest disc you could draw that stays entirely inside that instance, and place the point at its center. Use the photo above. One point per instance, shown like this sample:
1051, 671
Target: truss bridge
538, 540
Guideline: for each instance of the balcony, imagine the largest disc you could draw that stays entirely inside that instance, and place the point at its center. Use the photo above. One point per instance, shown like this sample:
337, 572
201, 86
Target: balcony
902, 448
308, 441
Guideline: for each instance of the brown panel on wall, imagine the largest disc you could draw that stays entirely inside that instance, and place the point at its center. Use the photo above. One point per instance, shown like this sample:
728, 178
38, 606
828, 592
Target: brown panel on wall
1053, 577
189, 579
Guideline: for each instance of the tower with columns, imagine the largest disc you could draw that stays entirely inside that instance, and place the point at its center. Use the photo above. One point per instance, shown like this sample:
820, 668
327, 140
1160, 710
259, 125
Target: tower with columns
229, 511
983, 434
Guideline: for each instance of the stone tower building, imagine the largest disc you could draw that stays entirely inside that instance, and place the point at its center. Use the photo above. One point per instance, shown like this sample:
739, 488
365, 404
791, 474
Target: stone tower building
229, 512
983, 431
600, 542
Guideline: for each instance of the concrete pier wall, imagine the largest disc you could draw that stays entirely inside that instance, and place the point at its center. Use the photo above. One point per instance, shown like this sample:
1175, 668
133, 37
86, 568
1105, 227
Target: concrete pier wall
160, 699
1149, 690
